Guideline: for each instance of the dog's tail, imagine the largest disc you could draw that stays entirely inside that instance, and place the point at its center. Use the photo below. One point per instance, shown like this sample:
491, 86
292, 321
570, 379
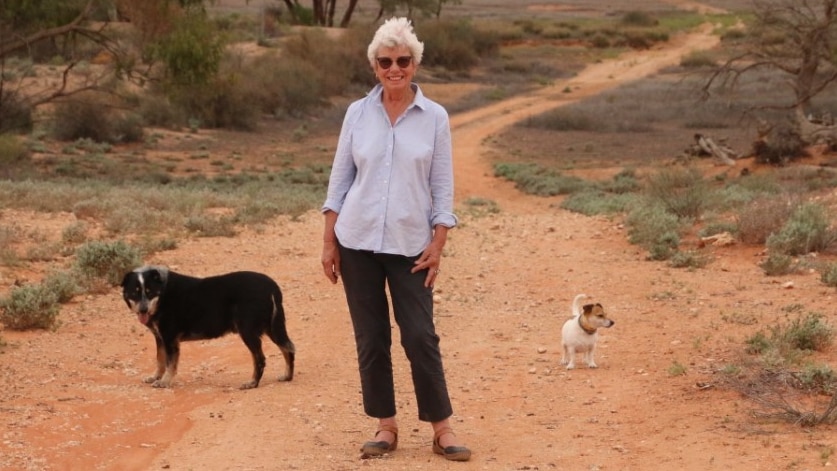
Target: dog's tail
278, 330
577, 304
279, 335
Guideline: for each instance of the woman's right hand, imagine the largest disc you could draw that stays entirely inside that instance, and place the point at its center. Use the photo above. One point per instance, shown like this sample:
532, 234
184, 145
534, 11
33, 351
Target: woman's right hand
331, 261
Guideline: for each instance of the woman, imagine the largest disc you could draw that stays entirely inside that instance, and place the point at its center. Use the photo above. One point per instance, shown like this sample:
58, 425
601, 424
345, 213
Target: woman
387, 213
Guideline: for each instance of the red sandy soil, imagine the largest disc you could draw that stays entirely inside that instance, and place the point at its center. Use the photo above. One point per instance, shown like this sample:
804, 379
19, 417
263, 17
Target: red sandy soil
74, 398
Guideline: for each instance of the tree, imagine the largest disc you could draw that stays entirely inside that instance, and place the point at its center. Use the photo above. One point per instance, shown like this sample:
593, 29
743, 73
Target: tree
795, 37
75, 30
425, 7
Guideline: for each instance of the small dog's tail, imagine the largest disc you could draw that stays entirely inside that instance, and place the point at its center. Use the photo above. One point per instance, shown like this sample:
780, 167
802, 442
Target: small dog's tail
577, 304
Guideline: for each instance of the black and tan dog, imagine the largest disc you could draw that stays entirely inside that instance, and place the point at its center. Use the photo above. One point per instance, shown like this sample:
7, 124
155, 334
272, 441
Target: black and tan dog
178, 308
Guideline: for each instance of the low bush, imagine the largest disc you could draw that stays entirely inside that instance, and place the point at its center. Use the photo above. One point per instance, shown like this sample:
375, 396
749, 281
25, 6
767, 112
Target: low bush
654, 228
682, 192
761, 217
778, 264
31, 306
807, 230
106, 261
828, 275
87, 117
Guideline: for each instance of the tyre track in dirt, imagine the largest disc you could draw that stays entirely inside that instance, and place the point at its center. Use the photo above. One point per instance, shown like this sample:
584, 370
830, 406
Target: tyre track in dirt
471, 129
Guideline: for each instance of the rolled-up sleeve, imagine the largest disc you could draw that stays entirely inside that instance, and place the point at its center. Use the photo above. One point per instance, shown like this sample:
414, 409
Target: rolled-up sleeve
343, 168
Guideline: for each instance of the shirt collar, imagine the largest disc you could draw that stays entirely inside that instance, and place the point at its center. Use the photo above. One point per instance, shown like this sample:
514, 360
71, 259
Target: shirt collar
420, 100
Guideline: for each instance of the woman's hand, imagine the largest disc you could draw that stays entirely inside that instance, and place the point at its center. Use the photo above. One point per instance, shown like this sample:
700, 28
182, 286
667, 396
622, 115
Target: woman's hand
431, 258
331, 261
331, 255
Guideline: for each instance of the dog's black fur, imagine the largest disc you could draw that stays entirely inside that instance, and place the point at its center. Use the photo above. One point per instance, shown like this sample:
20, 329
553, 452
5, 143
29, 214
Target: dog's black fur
178, 307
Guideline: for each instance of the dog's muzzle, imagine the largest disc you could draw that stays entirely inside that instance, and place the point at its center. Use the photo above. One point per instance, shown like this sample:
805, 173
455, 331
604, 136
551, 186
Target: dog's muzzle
144, 309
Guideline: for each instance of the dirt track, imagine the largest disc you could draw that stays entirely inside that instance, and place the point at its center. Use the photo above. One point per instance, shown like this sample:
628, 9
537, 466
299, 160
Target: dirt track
74, 399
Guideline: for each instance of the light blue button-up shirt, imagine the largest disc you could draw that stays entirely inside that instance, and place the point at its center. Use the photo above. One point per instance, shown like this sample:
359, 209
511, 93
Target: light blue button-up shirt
391, 184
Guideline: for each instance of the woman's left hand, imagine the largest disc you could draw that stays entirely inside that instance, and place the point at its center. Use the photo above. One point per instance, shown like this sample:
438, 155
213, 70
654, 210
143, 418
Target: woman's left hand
429, 260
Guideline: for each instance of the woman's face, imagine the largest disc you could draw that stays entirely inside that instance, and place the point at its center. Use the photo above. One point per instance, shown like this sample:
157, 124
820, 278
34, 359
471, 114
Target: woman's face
395, 67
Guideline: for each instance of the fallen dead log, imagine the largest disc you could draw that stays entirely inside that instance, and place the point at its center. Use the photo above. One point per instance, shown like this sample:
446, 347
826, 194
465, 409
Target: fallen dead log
705, 146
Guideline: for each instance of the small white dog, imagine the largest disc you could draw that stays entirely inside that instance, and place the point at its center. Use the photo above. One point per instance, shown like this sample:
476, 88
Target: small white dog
580, 333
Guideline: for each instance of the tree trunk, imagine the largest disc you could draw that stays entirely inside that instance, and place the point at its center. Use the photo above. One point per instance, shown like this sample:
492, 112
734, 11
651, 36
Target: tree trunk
347, 16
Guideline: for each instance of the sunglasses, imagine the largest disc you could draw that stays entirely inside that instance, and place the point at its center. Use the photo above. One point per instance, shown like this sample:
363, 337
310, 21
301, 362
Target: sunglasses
386, 62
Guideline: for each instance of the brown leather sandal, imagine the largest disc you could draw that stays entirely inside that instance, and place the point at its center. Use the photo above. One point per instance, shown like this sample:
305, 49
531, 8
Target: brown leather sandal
451, 453
382, 447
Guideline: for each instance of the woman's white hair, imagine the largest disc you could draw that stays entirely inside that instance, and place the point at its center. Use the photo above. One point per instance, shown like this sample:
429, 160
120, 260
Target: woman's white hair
393, 33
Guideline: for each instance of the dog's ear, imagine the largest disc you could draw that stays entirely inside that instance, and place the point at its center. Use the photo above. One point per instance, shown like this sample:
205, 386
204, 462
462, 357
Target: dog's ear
154, 275
587, 309
125, 278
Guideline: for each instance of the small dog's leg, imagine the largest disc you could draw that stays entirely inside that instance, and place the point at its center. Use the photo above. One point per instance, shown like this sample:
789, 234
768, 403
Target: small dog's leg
589, 357
570, 358
564, 356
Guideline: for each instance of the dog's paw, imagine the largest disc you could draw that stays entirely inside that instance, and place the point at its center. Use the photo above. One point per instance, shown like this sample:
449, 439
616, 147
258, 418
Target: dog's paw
570, 366
150, 379
160, 384
249, 385
592, 365
284, 378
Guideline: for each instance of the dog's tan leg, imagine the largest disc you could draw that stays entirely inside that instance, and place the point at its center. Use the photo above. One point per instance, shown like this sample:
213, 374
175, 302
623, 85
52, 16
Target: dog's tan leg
289, 356
161, 363
171, 368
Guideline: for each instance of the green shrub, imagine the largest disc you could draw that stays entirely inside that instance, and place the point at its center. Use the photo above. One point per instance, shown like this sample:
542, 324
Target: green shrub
63, 285
87, 117
639, 18
192, 51
31, 306
593, 201
223, 102
803, 334
818, 378
828, 275
626, 181
207, 226
106, 261
75, 233
561, 119
688, 259
14, 156
481, 206
807, 230
455, 45
758, 343
655, 229
811, 333
683, 192
536, 180
778, 264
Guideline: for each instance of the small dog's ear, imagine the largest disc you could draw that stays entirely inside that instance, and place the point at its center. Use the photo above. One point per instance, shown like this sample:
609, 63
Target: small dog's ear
125, 279
154, 274
588, 308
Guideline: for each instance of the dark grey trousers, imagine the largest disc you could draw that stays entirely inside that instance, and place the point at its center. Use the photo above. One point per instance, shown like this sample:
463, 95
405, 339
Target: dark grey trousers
365, 277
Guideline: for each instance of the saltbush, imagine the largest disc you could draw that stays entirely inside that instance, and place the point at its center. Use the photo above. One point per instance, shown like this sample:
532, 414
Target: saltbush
807, 230
106, 261
31, 306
